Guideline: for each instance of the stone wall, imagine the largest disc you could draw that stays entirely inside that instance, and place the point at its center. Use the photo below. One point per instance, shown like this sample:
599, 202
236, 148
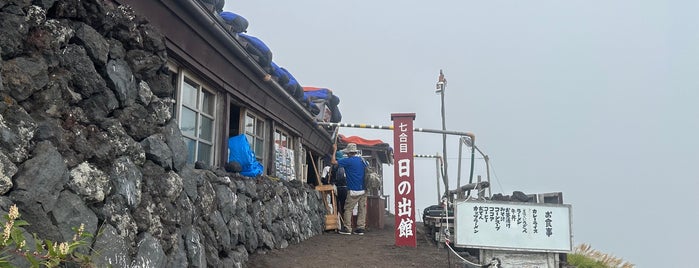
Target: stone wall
87, 137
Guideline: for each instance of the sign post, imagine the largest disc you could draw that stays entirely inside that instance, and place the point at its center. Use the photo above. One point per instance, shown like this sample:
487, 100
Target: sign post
404, 179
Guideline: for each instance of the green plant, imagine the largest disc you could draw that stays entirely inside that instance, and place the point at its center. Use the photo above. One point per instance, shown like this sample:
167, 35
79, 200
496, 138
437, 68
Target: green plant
46, 253
584, 256
582, 261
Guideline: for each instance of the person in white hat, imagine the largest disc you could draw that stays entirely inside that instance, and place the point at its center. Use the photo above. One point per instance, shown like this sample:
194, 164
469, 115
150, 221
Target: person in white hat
354, 171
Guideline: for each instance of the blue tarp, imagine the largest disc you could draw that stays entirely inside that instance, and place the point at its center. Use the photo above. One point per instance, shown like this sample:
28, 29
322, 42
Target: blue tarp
239, 151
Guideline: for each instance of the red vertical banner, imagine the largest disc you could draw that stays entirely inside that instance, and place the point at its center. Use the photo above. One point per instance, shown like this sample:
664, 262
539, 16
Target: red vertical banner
404, 179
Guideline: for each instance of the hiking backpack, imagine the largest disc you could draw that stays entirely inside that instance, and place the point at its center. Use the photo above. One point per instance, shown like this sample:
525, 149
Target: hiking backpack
339, 177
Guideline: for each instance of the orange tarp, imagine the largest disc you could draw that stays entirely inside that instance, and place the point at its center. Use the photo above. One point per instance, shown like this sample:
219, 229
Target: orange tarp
306, 89
359, 140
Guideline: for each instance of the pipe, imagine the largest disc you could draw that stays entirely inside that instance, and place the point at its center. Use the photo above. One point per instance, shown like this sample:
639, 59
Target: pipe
458, 170
437, 169
448, 132
473, 156
487, 159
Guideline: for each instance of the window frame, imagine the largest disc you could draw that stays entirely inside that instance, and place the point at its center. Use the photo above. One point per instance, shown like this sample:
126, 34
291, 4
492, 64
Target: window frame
254, 138
283, 138
203, 108
283, 133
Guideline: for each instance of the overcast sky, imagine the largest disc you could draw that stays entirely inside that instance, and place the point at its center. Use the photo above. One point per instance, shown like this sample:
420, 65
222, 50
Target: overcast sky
595, 99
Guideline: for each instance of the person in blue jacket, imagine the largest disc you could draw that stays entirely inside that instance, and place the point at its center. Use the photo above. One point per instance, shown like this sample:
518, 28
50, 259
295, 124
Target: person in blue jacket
354, 171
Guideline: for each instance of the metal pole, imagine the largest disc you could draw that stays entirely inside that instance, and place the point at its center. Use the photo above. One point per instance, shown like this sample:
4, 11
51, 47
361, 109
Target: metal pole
439, 191
441, 84
444, 146
481, 191
458, 172
473, 156
487, 171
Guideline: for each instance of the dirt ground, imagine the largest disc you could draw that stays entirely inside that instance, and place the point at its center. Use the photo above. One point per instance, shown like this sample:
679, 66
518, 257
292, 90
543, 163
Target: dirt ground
376, 248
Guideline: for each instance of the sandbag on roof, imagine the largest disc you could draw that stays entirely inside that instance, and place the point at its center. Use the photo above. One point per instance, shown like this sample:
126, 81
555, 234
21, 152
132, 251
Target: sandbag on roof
310, 106
281, 75
325, 97
317, 93
217, 4
258, 49
238, 23
292, 87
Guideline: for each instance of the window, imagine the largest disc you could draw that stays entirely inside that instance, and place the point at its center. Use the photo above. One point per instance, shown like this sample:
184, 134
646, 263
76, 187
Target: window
284, 161
282, 139
196, 118
255, 132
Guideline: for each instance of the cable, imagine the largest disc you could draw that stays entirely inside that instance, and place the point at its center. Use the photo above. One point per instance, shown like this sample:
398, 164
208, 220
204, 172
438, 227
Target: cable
462, 258
446, 241
496, 177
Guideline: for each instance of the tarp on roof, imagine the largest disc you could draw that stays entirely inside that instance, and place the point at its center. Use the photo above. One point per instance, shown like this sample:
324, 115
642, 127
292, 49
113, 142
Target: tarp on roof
376, 148
317, 93
360, 141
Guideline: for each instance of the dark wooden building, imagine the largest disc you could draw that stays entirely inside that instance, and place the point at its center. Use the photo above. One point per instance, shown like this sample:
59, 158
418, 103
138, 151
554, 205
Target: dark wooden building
223, 92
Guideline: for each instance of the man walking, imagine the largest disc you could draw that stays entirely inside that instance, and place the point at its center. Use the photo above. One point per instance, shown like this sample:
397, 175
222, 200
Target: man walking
354, 171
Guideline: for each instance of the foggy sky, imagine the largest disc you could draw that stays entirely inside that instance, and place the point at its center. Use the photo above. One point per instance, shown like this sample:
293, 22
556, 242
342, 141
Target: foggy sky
595, 99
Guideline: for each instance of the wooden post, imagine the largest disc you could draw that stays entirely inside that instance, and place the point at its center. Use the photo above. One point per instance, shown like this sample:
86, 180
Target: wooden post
315, 169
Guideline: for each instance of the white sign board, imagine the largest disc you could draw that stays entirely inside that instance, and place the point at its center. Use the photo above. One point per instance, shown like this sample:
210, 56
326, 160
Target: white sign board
513, 226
